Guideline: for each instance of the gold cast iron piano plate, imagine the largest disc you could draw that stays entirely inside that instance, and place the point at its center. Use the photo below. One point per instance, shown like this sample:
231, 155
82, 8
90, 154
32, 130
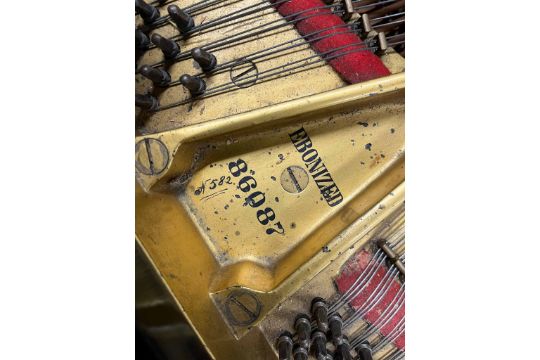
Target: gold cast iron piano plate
385, 220
304, 83
205, 240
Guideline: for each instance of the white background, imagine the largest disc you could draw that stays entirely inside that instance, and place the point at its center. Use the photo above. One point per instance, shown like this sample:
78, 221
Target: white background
67, 180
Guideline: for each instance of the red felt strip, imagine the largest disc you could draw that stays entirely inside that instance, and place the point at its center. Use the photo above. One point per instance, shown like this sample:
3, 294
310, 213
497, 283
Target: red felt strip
353, 67
350, 272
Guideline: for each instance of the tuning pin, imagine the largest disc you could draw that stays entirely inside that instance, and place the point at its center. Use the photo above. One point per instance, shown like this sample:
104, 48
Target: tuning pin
183, 20
159, 77
194, 84
149, 13
300, 353
141, 40
169, 47
319, 309
343, 350
364, 351
284, 345
348, 10
302, 325
147, 102
319, 345
382, 43
206, 60
336, 328
366, 24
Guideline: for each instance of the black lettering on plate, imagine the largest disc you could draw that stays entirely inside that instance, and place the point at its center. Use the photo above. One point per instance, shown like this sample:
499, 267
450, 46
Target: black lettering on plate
316, 167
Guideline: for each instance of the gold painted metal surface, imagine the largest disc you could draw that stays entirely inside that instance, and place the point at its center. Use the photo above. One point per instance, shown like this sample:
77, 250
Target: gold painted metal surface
157, 315
228, 271
382, 221
305, 83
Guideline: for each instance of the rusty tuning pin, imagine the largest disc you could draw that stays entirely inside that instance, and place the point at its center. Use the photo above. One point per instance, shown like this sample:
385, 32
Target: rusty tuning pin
146, 102
194, 84
206, 60
158, 76
148, 12
169, 47
183, 20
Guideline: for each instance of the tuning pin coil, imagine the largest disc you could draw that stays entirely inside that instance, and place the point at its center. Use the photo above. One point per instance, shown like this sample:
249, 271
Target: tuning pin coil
146, 102
169, 47
194, 84
142, 42
183, 20
206, 60
148, 12
158, 76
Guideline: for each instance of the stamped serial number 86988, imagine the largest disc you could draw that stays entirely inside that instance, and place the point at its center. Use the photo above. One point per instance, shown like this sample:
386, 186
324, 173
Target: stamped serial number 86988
256, 198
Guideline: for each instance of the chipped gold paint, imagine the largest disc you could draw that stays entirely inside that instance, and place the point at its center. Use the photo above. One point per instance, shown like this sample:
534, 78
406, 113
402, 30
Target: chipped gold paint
207, 246
202, 255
